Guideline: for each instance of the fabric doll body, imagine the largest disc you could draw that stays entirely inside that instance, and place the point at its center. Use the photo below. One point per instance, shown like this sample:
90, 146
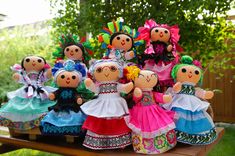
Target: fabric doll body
27, 105
194, 125
152, 127
160, 54
105, 125
65, 118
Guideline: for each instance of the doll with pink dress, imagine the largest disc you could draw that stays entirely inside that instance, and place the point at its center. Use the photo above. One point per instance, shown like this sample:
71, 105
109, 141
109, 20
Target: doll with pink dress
152, 127
161, 45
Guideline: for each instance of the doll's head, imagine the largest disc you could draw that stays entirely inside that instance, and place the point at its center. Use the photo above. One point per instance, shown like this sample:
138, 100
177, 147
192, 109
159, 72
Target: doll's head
69, 74
188, 71
160, 34
34, 64
119, 36
106, 70
71, 48
142, 79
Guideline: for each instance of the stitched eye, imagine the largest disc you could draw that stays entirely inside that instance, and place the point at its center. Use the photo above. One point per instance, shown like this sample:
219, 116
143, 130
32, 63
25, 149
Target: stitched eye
39, 60
154, 75
74, 77
156, 30
99, 70
118, 38
196, 72
183, 70
166, 31
76, 50
27, 60
62, 76
67, 49
113, 68
127, 39
141, 75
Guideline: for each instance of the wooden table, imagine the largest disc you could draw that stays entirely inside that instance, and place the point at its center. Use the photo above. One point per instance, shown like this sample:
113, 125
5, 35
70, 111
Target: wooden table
55, 145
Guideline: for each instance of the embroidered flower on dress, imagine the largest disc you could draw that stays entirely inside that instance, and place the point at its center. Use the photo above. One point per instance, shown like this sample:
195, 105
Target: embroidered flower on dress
160, 142
171, 137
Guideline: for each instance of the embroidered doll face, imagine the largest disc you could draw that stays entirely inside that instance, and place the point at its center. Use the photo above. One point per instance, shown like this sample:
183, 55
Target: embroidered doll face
121, 41
106, 71
160, 34
146, 79
33, 63
68, 79
188, 74
73, 52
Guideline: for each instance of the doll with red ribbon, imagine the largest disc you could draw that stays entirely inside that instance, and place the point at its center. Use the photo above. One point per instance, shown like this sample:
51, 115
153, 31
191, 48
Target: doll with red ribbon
27, 105
161, 50
105, 125
152, 126
120, 41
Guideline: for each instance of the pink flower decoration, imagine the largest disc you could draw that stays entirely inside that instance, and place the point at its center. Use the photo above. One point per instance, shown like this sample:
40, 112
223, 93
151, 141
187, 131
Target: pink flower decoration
197, 63
16, 67
47, 66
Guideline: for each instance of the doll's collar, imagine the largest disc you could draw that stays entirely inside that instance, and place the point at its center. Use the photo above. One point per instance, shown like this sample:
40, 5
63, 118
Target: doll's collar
189, 83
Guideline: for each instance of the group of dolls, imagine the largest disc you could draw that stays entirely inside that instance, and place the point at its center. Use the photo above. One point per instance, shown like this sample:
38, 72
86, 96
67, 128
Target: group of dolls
150, 104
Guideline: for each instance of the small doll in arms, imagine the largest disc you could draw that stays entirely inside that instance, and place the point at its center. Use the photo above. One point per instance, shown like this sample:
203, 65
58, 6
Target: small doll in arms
27, 105
65, 118
105, 125
152, 127
194, 125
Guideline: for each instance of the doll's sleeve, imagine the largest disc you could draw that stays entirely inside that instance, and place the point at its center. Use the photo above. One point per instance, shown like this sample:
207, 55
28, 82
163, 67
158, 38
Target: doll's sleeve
137, 99
128, 55
158, 97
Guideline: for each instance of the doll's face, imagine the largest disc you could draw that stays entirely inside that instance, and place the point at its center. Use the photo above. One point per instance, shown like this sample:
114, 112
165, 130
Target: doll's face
33, 63
107, 71
160, 34
188, 74
73, 52
146, 79
122, 42
67, 79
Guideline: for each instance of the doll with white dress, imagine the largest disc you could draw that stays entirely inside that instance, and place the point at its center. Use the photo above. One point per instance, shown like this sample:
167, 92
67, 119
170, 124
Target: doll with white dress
27, 105
194, 125
105, 125
152, 126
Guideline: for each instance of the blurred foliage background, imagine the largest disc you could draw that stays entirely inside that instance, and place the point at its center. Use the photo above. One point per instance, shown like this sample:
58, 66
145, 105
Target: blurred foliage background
205, 33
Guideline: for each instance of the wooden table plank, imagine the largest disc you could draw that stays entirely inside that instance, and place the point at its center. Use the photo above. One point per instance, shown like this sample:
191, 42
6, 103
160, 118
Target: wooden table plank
56, 145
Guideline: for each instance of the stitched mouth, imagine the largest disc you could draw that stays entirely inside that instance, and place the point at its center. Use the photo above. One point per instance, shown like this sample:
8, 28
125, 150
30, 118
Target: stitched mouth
123, 43
71, 54
161, 35
190, 76
33, 64
148, 80
67, 82
106, 75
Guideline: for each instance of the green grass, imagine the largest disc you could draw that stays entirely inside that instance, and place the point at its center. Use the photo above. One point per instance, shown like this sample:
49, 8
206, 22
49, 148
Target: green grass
226, 146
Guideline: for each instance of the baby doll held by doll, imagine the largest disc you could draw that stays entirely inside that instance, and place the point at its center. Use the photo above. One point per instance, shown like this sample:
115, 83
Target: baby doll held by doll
27, 105
65, 118
152, 127
105, 125
194, 125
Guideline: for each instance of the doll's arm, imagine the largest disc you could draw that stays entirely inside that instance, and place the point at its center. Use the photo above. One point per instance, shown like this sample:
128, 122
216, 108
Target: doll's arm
203, 94
90, 85
177, 87
126, 88
79, 99
169, 48
54, 95
17, 77
137, 95
129, 55
48, 74
161, 98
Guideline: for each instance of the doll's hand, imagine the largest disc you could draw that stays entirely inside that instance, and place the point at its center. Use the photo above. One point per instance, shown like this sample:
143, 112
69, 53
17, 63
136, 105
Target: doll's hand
128, 87
52, 96
177, 87
167, 98
169, 48
132, 54
137, 92
88, 82
49, 73
16, 77
208, 94
79, 101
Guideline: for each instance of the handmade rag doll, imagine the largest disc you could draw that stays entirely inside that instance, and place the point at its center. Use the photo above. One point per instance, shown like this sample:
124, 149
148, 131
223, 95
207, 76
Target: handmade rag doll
79, 51
65, 118
27, 105
152, 126
105, 125
194, 125
160, 55
120, 41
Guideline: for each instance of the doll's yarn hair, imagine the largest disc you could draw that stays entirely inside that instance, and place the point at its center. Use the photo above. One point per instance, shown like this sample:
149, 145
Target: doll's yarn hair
45, 62
131, 72
116, 28
70, 66
68, 40
187, 61
95, 63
